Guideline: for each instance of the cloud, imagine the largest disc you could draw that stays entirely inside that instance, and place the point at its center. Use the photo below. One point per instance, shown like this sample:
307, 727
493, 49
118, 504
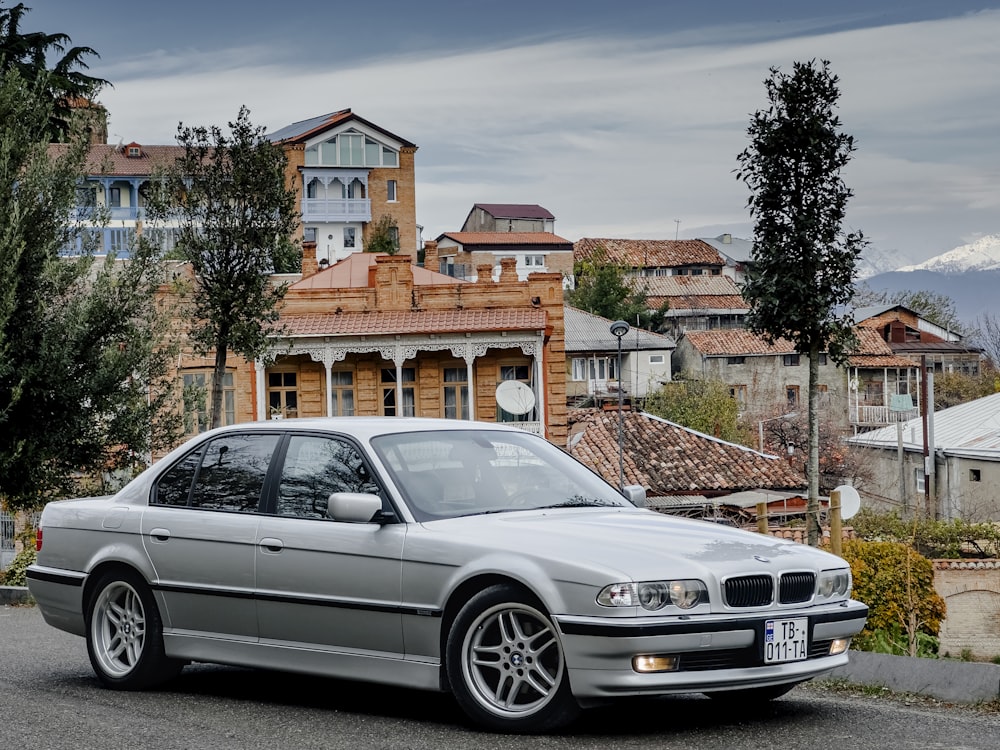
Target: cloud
621, 136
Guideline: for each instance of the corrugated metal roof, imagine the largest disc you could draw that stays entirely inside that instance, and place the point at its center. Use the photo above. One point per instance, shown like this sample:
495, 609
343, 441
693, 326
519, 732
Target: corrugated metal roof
586, 332
971, 429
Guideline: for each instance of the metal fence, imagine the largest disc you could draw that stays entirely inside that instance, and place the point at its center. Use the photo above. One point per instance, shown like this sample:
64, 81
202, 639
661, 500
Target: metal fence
7, 535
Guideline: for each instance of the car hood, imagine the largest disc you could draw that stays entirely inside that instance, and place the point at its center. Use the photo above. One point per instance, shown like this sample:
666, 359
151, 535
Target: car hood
641, 544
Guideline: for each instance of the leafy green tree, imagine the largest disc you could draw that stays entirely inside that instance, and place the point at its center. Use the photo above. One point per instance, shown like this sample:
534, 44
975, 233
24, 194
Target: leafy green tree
28, 54
954, 388
80, 354
602, 288
236, 217
702, 405
802, 262
383, 236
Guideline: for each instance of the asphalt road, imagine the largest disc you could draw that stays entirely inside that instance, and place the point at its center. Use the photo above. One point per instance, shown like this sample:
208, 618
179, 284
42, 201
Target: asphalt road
49, 699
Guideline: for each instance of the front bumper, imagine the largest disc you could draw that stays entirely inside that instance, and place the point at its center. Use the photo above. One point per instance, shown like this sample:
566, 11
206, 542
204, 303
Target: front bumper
715, 652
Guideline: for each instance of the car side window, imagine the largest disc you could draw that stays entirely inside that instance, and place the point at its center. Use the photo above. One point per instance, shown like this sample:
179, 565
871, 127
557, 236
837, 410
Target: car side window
232, 472
174, 487
315, 467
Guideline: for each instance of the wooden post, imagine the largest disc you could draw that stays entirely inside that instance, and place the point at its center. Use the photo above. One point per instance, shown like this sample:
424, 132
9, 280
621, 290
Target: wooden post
762, 518
836, 529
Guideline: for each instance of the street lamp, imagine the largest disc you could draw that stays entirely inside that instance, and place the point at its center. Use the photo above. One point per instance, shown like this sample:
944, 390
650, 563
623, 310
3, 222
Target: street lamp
618, 329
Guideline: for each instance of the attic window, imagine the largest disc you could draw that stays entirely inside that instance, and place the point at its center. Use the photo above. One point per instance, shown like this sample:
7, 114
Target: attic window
134, 151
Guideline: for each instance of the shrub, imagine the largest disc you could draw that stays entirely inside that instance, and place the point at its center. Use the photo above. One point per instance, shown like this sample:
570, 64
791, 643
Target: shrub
897, 584
15, 574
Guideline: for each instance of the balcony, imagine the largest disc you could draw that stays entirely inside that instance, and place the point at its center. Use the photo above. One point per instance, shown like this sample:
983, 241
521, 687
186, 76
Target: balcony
879, 416
336, 209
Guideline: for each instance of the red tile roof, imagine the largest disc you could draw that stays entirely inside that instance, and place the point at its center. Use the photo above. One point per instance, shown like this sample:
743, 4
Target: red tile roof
691, 292
649, 253
422, 322
352, 272
506, 238
872, 350
735, 342
668, 459
105, 159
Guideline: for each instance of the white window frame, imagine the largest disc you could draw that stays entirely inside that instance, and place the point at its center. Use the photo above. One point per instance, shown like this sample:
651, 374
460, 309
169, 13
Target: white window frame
390, 191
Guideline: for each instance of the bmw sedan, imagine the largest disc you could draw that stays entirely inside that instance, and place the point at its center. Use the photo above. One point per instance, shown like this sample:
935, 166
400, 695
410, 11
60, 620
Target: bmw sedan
435, 554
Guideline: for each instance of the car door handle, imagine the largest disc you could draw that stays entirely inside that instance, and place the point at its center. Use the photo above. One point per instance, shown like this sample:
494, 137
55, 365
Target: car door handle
269, 544
159, 535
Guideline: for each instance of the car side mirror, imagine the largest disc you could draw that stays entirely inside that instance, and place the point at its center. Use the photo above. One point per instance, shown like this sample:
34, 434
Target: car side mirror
635, 494
353, 507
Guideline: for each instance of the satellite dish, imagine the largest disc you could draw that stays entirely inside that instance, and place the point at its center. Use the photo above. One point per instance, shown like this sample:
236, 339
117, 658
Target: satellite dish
850, 501
515, 397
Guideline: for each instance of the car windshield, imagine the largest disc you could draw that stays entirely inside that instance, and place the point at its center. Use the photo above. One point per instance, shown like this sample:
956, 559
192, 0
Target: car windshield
449, 473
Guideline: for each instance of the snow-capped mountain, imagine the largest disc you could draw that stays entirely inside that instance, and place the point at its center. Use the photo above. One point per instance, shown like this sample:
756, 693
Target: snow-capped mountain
981, 255
875, 261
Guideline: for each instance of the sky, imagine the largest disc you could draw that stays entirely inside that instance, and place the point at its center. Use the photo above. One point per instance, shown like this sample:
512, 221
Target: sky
622, 119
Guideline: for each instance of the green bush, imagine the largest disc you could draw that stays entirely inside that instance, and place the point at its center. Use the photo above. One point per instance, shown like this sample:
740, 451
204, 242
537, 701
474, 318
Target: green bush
15, 574
897, 584
932, 538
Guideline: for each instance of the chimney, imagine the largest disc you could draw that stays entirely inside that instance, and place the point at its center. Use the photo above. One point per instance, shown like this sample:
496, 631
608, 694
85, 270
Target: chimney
309, 264
484, 273
508, 270
431, 255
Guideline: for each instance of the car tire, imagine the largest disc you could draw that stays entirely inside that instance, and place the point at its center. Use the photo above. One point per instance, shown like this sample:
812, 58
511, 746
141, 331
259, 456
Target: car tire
506, 664
752, 695
125, 633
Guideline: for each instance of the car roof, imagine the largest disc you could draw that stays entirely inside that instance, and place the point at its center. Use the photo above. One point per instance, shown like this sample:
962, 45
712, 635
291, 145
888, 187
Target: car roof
364, 427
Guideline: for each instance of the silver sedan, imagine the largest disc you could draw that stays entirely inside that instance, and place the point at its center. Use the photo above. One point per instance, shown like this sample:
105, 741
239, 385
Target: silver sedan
435, 554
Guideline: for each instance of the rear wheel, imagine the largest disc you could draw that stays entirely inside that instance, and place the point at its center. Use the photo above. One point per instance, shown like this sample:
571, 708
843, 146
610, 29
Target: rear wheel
125, 633
506, 664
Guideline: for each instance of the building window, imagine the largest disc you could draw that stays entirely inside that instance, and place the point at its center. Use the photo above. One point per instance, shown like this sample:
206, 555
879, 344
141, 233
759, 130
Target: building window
522, 374
390, 191
975, 475
133, 151
349, 235
736, 360
456, 393
115, 197
389, 157
282, 395
342, 387
739, 394
578, 371
792, 395
822, 359
790, 360
918, 480
390, 398
657, 359
196, 399
537, 261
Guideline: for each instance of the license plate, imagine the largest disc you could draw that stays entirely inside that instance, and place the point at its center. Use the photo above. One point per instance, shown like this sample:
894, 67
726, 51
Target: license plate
786, 640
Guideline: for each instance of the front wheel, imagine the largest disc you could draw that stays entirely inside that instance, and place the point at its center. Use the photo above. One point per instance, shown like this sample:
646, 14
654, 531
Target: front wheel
506, 664
125, 634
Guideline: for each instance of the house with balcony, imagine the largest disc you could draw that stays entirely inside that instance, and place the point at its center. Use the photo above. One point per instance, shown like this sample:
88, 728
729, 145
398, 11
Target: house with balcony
112, 195
592, 360
349, 173
768, 379
918, 339
376, 334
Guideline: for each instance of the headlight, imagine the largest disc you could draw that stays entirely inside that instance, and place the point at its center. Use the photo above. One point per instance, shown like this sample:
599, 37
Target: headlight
654, 595
833, 583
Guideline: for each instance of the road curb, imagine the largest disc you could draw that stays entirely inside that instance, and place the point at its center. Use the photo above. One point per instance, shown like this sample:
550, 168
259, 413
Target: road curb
946, 680
14, 595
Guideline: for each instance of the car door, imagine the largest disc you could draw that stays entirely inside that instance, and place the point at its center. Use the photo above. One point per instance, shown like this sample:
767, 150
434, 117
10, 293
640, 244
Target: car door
200, 532
321, 582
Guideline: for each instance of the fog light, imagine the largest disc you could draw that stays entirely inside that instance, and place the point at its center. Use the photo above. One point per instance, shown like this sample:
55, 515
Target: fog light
839, 646
654, 663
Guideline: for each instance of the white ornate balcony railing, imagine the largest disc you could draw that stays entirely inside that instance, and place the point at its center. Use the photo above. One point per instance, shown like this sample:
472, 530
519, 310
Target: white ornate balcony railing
336, 209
